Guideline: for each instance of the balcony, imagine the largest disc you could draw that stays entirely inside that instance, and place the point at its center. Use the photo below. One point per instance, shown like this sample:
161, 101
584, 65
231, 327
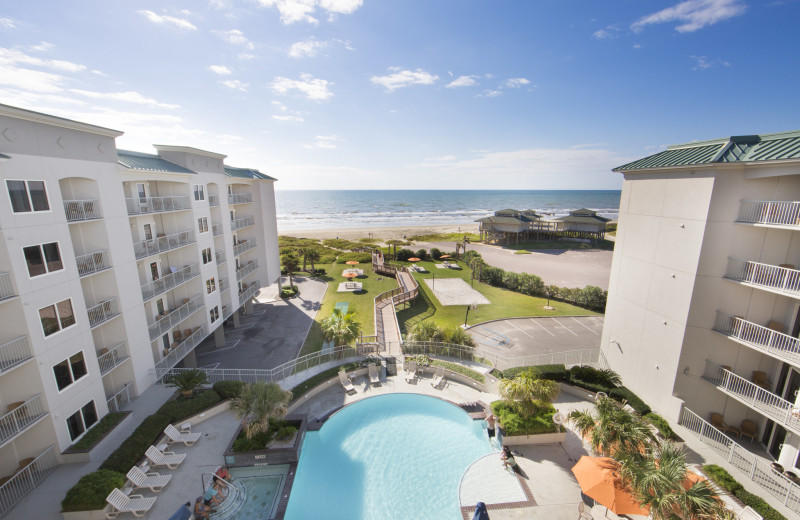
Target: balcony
763, 339
213, 200
220, 256
109, 359
246, 269
28, 476
145, 205
216, 229
13, 353
771, 213
93, 262
170, 281
163, 243
80, 210
239, 198
20, 417
173, 318
243, 246
6, 289
753, 396
248, 292
183, 348
781, 279
120, 399
241, 223
223, 285
227, 310
102, 312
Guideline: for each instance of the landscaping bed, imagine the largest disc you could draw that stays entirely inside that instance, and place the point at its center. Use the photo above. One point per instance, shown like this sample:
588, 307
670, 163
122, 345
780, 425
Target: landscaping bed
261, 448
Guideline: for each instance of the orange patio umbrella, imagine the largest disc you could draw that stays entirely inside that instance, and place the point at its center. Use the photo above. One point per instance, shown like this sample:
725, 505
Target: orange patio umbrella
413, 259
599, 478
350, 275
352, 262
444, 256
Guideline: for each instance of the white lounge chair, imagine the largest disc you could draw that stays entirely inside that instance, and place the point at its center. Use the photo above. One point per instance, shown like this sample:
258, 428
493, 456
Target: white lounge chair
438, 377
153, 481
122, 503
374, 378
346, 383
174, 436
167, 458
411, 371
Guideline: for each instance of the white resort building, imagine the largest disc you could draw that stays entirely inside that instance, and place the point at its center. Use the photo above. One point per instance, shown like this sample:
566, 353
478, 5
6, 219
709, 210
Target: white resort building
703, 311
113, 263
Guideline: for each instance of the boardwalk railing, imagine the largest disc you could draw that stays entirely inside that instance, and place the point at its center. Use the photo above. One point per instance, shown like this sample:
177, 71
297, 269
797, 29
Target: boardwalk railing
773, 277
120, 399
145, 205
750, 464
6, 289
170, 281
78, 210
102, 312
18, 419
758, 337
26, 479
775, 212
14, 352
158, 245
93, 262
114, 357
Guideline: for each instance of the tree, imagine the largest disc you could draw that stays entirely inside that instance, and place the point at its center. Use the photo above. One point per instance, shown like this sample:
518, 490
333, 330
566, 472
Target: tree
290, 263
187, 380
528, 392
312, 256
459, 336
658, 479
426, 330
259, 403
611, 430
304, 253
341, 328
393, 246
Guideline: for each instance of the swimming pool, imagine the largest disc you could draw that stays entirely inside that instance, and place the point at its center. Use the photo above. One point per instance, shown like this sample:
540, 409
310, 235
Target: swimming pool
390, 456
258, 490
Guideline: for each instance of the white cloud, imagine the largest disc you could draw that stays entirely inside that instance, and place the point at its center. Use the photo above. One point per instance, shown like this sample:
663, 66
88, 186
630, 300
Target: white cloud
703, 63
693, 14
515, 82
404, 78
8, 23
296, 119
493, 93
170, 20
244, 56
610, 31
637, 45
235, 84
222, 70
341, 6
326, 142
218, 4
308, 48
292, 11
43, 47
235, 37
16, 56
462, 81
127, 97
280, 106
312, 88
30, 80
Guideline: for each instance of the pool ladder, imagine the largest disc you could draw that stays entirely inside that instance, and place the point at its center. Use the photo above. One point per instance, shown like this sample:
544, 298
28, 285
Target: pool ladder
233, 501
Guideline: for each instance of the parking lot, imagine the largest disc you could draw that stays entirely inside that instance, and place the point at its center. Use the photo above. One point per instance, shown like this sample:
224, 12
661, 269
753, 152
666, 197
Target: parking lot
518, 337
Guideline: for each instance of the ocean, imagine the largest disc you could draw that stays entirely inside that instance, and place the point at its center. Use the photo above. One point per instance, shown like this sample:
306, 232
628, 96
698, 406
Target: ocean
335, 209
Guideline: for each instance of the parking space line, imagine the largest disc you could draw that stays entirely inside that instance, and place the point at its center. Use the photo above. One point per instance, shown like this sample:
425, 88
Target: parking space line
569, 329
596, 321
544, 329
221, 349
242, 327
519, 329
584, 326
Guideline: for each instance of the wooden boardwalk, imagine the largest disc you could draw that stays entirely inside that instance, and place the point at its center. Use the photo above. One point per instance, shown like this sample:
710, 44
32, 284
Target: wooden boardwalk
387, 329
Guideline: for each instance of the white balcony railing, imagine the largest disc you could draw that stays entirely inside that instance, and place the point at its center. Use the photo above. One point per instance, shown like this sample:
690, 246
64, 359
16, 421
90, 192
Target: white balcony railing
14, 352
213, 200
103, 312
223, 285
769, 212
164, 243
239, 198
243, 222
763, 339
172, 319
183, 348
248, 292
26, 479
78, 210
93, 262
145, 205
246, 269
216, 229
227, 310
781, 279
170, 281
120, 399
6, 289
755, 397
112, 358
244, 246
21, 417
220, 257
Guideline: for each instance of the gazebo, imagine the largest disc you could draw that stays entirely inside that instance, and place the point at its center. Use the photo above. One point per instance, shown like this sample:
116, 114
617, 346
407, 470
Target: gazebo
583, 223
511, 225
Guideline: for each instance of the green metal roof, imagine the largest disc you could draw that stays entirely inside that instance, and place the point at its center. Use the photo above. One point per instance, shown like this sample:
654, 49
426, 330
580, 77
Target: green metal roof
741, 149
148, 162
584, 216
247, 173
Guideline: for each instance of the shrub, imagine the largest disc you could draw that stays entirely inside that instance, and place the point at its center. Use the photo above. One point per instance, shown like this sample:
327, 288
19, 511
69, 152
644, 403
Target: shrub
340, 243
662, 425
421, 254
459, 369
327, 259
623, 394
181, 408
91, 490
404, 254
364, 258
288, 292
285, 432
760, 505
722, 478
256, 442
319, 271
516, 424
459, 336
556, 372
98, 431
132, 450
228, 389
435, 253
588, 374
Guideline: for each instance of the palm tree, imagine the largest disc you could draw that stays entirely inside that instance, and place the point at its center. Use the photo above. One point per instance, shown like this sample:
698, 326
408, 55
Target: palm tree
528, 392
186, 381
459, 336
659, 481
426, 330
611, 430
341, 328
290, 263
304, 253
312, 256
257, 404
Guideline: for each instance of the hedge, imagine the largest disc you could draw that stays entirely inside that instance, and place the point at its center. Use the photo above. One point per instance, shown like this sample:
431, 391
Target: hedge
724, 479
91, 490
228, 389
623, 394
556, 372
515, 424
98, 432
181, 408
459, 369
132, 450
663, 426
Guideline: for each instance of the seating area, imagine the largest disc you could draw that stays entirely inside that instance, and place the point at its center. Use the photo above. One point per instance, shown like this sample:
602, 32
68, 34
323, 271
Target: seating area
747, 427
346, 383
349, 287
179, 336
439, 380
122, 503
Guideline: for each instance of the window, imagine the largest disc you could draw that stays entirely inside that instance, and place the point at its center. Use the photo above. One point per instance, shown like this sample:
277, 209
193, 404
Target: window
27, 196
81, 420
206, 255
148, 232
69, 370
233, 215
57, 317
211, 285
198, 192
43, 259
214, 314
142, 193
230, 190
202, 225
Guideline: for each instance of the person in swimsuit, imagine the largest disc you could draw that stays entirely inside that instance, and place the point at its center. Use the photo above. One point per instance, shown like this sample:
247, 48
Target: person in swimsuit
491, 419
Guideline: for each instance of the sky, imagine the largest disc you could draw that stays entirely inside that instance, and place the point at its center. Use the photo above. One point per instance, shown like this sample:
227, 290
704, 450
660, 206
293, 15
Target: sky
410, 94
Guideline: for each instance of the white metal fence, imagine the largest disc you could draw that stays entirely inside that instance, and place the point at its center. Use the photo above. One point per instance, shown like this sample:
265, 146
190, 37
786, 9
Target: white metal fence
239, 198
13, 352
113, 357
758, 337
77, 210
249, 292
243, 246
243, 222
26, 479
164, 243
170, 320
93, 262
145, 205
22, 416
783, 279
183, 348
120, 399
6, 289
170, 281
102, 312
246, 269
778, 212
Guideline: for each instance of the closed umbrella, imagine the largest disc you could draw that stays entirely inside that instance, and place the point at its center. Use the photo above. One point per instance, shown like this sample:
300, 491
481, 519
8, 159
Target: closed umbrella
480, 512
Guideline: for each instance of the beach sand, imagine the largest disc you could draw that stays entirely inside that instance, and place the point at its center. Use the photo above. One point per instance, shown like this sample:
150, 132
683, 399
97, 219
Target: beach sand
382, 233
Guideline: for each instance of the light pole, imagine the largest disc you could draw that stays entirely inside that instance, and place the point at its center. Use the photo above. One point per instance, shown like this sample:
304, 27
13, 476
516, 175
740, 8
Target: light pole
473, 307
433, 277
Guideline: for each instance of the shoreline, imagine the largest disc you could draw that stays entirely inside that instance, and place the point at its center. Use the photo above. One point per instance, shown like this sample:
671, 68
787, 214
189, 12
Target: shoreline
384, 233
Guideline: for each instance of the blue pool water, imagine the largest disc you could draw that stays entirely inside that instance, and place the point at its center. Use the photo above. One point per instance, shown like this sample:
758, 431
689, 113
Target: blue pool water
391, 456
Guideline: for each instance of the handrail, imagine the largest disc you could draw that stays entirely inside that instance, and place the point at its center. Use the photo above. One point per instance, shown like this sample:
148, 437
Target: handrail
14, 352
246, 269
213, 200
78, 210
6, 288
161, 244
248, 293
26, 479
120, 399
781, 279
170, 281
766, 340
92, 262
102, 312
175, 317
769, 212
183, 348
243, 246
243, 222
114, 357
18, 419
216, 229
240, 198
146, 205
219, 256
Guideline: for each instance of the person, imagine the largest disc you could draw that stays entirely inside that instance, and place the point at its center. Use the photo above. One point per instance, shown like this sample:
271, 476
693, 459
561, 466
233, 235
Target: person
201, 511
213, 495
224, 474
490, 422
508, 459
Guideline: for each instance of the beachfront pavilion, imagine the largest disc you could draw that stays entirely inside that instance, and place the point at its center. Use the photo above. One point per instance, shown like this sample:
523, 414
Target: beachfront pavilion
512, 226
583, 224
